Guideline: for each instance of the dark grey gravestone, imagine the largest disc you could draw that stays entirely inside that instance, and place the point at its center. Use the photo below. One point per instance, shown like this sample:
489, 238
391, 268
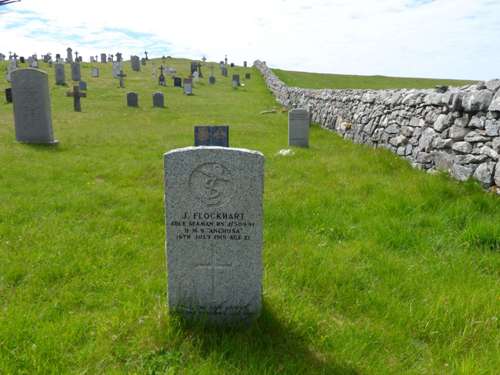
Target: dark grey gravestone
8, 95
236, 78
32, 114
298, 127
194, 67
211, 80
103, 58
75, 72
95, 72
213, 201
77, 95
245, 64
188, 86
211, 136
135, 63
132, 99
83, 85
60, 74
22, 60
248, 76
177, 82
158, 100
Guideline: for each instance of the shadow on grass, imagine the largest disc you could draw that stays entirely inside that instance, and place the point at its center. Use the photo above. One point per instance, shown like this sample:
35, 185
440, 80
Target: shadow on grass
266, 346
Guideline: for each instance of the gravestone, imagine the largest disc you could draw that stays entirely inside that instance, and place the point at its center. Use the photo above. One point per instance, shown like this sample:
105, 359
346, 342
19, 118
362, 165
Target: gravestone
177, 82
132, 99
32, 113
135, 63
248, 76
224, 71
161, 79
76, 72
121, 76
211, 136
117, 67
82, 85
232, 65
194, 67
188, 86
119, 57
10, 68
158, 100
69, 55
77, 95
236, 79
298, 127
22, 60
211, 80
95, 72
245, 64
8, 95
213, 201
103, 58
60, 74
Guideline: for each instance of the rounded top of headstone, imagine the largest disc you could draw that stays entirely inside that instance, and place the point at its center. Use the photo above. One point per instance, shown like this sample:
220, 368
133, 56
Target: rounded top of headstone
28, 71
213, 148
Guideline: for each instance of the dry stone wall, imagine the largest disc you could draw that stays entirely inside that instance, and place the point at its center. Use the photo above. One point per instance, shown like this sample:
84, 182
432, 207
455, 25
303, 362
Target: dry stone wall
451, 129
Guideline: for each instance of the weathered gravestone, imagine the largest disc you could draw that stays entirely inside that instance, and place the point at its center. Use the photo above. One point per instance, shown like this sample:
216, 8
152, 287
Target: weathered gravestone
213, 198
69, 55
95, 72
211, 136
32, 113
158, 100
8, 95
77, 95
115, 70
103, 58
133, 99
135, 63
82, 85
75, 72
177, 82
188, 86
60, 74
298, 127
236, 80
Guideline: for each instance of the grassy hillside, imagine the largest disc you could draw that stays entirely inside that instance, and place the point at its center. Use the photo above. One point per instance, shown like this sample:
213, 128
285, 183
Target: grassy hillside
371, 267
341, 81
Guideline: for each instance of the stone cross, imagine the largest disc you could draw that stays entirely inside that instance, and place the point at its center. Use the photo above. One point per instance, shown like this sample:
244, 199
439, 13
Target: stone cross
213, 201
76, 94
146, 53
298, 128
161, 79
76, 56
122, 76
32, 113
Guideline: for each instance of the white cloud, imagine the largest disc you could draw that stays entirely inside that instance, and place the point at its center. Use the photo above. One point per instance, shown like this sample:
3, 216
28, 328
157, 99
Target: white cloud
441, 38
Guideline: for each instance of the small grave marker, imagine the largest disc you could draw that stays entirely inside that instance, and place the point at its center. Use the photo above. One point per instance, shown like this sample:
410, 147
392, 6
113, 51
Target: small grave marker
211, 136
133, 99
298, 127
188, 86
77, 95
158, 100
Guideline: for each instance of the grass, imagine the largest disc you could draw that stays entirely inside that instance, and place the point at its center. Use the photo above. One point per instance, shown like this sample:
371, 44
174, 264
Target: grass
342, 81
371, 267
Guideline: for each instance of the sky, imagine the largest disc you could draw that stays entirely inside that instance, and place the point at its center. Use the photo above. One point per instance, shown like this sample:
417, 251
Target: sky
411, 38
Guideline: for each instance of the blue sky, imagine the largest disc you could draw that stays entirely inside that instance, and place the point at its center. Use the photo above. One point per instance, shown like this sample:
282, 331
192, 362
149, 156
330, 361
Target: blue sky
418, 38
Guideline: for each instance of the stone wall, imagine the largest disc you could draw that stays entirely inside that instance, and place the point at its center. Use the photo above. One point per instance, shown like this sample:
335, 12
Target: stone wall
451, 129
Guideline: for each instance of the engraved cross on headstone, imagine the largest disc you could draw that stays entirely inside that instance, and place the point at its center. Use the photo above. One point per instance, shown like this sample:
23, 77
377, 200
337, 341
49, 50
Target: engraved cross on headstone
121, 76
76, 94
212, 266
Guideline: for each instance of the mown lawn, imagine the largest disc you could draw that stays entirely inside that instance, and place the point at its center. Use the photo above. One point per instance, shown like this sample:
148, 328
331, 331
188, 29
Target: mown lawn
342, 81
371, 267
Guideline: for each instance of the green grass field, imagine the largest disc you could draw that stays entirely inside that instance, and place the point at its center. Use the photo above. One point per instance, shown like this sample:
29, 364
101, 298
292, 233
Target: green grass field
342, 81
371, 267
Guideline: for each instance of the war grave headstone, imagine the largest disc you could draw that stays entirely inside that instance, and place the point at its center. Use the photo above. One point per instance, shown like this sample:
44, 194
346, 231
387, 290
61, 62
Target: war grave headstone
177, 82
121, 76
76, 72
82, 85
69, 55
32, 113
103, 58
158, 100
8, 95
248, 76
95, 72
132, 99
60, 74
188, 86
211, 136
135, 63
236, 80
213, 201
298, 127
77, 95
